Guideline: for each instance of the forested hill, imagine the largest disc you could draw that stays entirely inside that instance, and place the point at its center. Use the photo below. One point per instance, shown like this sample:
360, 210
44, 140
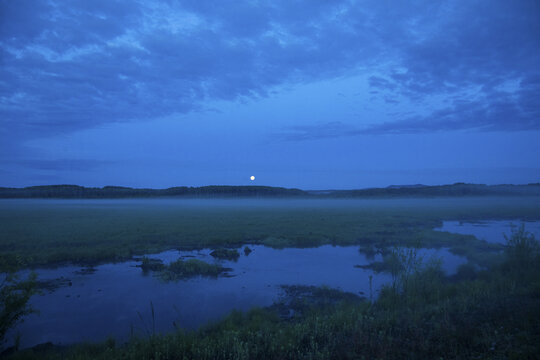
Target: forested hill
81, 192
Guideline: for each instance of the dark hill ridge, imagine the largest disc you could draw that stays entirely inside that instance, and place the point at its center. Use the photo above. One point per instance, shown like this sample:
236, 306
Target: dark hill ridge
110, 192
457, 189
76, 192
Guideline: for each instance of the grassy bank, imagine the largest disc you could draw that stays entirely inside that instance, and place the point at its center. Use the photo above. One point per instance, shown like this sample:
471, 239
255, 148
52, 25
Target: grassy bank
46, 232
421, 315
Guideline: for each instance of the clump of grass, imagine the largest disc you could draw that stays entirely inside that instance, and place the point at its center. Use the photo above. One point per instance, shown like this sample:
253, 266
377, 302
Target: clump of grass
226, 254
521, 246
181, 269
368, 250
398, 261
149, 264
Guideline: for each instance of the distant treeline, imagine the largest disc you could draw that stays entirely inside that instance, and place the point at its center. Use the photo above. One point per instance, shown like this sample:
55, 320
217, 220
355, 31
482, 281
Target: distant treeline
457, 189
108, 192
75, 191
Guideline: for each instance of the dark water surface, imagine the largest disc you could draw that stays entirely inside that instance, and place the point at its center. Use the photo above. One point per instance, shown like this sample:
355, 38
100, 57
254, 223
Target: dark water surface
491, 230
115, 299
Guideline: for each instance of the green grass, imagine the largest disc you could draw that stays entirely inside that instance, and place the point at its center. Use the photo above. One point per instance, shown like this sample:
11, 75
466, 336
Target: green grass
45, 232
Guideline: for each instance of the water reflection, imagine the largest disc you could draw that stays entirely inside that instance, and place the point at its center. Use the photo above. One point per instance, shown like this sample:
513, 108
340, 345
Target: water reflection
107, 299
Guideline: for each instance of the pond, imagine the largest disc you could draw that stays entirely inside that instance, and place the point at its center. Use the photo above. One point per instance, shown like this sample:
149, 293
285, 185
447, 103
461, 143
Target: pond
115, 299
490, 230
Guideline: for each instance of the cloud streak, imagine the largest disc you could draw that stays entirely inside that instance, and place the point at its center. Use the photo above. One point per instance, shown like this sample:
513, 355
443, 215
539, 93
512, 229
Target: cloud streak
61, 164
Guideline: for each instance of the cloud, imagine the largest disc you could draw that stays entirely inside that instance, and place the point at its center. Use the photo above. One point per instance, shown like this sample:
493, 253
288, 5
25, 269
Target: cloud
71, 67
491, 110
471, 52
316, 132
78, 66
514, 109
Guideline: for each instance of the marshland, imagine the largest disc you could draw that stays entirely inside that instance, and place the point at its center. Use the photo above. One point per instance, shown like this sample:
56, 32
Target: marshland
252, 277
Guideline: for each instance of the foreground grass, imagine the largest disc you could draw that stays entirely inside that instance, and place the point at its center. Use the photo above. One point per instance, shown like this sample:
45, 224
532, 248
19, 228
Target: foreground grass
421, 315
46, 232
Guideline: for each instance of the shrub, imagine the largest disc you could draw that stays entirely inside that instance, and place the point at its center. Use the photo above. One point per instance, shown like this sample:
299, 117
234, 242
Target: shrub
14, 297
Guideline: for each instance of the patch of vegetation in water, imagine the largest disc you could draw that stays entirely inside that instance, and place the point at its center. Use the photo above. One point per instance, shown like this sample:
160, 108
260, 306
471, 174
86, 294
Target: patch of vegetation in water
148, 264
397, 260
225, 254
181, 269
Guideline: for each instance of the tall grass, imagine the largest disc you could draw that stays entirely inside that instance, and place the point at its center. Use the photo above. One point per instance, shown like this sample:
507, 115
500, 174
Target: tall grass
522, 248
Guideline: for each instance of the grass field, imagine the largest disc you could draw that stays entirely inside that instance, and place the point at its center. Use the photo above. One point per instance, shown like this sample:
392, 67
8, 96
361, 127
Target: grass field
47, 232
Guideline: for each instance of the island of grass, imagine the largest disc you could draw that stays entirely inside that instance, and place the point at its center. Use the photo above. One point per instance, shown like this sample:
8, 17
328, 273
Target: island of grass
181, 269
149, 264
225, 254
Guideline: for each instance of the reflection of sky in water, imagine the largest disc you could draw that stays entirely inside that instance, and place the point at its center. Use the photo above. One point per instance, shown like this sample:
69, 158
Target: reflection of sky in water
108, 301
490, 231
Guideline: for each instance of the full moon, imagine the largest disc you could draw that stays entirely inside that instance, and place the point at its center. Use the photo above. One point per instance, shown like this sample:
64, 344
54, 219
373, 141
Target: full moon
252, 178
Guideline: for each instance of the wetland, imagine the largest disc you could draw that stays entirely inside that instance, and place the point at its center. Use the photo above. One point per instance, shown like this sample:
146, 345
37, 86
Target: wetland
130, 272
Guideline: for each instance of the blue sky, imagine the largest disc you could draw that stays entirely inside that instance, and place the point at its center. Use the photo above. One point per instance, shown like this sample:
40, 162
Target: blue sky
308, 94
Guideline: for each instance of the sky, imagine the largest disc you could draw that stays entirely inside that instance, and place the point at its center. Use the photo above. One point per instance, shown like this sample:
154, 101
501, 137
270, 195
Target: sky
312, 94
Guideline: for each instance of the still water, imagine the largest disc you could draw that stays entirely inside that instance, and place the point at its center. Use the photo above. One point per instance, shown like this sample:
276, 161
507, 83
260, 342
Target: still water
114, 299
491, 231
